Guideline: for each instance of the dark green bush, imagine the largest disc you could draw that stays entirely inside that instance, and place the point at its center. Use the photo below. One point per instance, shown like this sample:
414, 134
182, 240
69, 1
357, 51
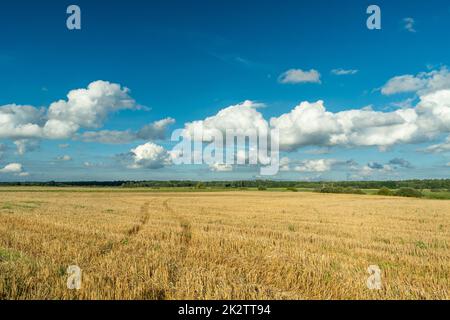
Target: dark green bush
262, 188
385, 192
332, 189
200, 185
408, 192
292, 189
353, 191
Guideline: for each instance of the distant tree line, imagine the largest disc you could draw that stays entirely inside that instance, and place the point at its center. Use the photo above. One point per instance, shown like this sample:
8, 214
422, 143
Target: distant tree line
261, 184
405, 192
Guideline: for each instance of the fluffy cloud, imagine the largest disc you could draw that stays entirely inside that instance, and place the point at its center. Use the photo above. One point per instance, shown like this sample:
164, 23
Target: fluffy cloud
378, 169
375, 165
299, 76
399, 162
422, 83
150, 156
84, 108
221, 167
285, 164
401, 84
308, 124
434, 112
243, 116
58, 129
440, 147
20, 122
343, 72
153, 131
318, 165
374, 168
25, 145
311, 124
89, 108
14, 168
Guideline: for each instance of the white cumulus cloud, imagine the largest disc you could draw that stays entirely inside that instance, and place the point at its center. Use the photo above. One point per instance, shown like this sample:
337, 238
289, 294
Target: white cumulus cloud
153, 131
422, 83
439, 147
14, 168
344, 72
84, 108
243, 116
299, 76
21, 122
310, 124
89, 108
317, 165
150, 156
25, 145
221, 167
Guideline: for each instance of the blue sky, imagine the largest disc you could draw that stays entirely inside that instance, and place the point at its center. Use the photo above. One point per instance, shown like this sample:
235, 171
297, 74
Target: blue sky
188, 60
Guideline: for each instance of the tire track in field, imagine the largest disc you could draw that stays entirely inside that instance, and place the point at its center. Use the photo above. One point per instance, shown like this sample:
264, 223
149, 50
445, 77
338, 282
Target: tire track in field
177, 261
142, 222
130, 233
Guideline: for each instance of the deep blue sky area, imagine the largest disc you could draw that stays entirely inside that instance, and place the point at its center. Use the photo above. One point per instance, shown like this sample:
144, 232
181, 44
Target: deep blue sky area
189, 59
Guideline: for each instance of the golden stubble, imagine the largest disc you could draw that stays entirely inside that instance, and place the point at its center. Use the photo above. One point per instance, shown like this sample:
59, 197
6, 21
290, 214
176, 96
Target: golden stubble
221, 245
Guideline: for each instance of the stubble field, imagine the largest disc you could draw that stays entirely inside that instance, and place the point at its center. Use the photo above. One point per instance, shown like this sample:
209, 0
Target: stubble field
221, 245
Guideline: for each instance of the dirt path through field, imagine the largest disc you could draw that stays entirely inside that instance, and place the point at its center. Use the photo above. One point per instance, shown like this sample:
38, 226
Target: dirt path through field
177, 262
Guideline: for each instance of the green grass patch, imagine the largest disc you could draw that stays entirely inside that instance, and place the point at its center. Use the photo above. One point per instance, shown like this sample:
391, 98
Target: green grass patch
441, 195
20, 205
8, 255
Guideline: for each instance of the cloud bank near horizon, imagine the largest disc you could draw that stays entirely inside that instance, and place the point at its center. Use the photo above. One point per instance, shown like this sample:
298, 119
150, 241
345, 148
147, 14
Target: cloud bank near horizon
83, 114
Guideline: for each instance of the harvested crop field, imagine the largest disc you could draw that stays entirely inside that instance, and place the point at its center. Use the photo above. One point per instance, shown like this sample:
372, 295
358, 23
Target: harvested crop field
221, 245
